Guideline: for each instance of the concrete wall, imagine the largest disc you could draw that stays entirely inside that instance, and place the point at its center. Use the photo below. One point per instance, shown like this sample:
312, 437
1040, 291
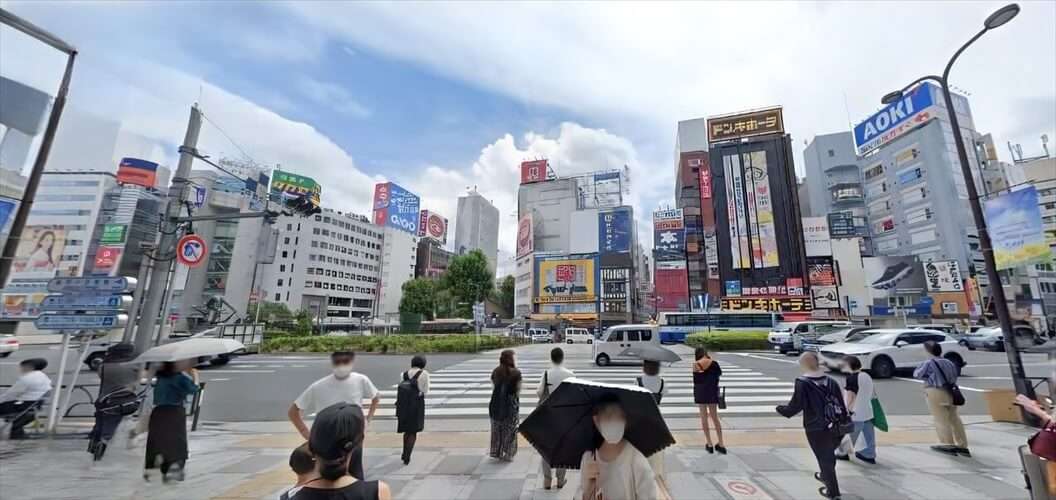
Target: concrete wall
848, 259
551, 204
583, 231
399, 253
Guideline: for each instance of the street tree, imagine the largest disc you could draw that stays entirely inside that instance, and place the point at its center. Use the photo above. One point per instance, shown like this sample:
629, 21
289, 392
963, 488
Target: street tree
303, 320
419, 297
469, 279
505, 293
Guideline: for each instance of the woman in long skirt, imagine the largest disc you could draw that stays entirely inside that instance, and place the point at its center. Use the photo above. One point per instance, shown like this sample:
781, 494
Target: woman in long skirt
167, 432
505, 407
410, 405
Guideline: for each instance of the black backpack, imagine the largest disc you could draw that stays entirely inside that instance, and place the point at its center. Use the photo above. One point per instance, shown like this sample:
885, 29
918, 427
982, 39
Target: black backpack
657, 396
408, 395
837, 418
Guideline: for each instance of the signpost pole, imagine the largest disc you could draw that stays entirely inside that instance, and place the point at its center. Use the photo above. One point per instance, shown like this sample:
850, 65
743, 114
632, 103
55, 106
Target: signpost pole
137, 299
73, 381
58, 382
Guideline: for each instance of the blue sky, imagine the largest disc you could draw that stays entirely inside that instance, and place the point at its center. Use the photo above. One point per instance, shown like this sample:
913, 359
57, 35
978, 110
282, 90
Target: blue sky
438, 96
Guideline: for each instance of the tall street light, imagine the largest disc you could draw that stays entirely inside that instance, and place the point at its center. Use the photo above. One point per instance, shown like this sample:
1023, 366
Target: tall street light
997, 291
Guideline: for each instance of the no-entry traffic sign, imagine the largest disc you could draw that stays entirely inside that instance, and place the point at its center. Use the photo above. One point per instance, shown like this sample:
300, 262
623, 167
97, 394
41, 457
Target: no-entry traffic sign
191, 250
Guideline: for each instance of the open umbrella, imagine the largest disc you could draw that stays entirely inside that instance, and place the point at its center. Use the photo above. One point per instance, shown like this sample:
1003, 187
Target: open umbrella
562, 428
651, 352
189, 349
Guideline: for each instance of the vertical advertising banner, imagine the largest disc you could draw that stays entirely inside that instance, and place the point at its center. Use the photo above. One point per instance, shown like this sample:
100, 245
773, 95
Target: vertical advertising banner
760, 210
39, 253
735, 207
705, 181
614, 231
525, 236
396, 207
1014, 221
669, 235
6, 209
816, 237
672, 286
943, 276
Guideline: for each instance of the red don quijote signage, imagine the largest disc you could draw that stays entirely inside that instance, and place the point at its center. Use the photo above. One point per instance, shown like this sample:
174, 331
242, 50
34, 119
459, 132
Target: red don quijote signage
533, 171
525, 238
436, 227
381, 196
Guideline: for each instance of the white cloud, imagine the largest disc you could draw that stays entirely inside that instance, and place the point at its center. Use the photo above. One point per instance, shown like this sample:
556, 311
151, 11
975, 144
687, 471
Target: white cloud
331, 96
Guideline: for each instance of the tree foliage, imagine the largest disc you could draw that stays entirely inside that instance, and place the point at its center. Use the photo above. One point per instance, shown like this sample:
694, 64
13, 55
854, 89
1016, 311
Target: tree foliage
469, 280
504, 296
270, 312
419, 297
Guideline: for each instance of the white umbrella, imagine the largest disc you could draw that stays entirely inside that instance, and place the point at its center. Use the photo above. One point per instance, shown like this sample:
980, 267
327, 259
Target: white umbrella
189, 349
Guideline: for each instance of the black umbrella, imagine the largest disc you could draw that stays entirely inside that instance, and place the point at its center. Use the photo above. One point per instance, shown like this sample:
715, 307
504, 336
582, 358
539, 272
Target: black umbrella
651, 352
562, 428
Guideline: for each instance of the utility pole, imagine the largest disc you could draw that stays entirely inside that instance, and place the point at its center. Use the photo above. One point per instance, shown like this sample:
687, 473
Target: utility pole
166, 249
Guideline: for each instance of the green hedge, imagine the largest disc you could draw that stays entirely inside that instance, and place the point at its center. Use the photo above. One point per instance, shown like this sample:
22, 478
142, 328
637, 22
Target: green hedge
729, 341
396, 344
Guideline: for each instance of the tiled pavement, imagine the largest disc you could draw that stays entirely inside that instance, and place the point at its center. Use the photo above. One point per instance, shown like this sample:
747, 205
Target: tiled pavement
248, 461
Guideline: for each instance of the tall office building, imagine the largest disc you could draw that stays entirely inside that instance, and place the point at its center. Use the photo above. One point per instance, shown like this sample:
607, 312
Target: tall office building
834, 186
327, 264
399, 255
477, 227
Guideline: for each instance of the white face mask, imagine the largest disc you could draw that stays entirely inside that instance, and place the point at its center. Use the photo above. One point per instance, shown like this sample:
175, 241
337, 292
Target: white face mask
343, 371
612, 430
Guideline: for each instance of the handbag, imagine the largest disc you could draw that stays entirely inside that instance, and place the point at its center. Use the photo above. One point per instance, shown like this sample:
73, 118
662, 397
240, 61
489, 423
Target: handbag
1043, 442
722, 398
879, 417
955, 392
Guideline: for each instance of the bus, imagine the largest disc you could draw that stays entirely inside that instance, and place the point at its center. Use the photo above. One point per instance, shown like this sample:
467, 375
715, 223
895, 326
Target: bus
674, 326
454, 325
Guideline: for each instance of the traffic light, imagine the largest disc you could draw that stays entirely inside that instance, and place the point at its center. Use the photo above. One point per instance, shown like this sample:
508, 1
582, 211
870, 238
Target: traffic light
302, 206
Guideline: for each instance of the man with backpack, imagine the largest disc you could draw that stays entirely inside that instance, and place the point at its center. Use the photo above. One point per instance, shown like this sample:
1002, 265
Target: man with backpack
552, 378
410, 404
825, 419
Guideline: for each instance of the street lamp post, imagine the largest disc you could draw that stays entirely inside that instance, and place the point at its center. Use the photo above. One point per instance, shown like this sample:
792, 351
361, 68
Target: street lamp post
995, 20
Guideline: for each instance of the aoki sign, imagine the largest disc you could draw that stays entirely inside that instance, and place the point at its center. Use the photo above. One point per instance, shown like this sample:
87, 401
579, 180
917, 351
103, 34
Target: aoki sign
912, 110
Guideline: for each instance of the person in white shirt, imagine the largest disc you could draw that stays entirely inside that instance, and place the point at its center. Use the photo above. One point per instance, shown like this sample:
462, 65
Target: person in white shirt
654, 383
858, 395
342, 386
615, 469
547, 384
30, 388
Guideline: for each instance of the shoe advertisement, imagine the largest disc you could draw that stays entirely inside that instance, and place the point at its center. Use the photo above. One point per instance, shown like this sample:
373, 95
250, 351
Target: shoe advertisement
891, 276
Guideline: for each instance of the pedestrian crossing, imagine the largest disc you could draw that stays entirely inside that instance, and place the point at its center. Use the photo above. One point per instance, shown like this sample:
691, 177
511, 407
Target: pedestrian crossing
463, 390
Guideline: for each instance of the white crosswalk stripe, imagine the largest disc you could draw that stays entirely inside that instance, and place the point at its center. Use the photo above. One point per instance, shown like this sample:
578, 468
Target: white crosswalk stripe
464, 389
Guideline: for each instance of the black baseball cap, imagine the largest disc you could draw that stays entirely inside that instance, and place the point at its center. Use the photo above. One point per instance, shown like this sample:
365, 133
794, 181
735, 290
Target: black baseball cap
337, 430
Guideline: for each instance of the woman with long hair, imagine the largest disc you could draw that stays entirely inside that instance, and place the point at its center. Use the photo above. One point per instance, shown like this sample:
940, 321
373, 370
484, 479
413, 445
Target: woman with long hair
167, 431
337, 432
706, 373
41, 258
504, 409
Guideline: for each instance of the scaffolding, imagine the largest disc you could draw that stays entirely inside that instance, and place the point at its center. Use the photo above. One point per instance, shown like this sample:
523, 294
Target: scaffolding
602, 189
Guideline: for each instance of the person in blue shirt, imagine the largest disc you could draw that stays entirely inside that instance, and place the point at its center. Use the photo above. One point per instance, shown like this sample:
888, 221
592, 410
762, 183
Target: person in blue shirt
167, 432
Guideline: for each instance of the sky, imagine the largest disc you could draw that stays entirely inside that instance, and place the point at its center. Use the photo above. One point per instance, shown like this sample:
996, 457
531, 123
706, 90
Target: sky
440, 97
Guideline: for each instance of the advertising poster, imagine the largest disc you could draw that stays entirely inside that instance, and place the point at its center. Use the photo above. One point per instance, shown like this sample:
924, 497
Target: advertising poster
816, 237
705, 182
7, 207
841, 225
293, 185
106, 259
672, 290
668, 219
432, 225
943, 276
39, 254
560, 279
396, 207
825, 297
893, 275
915, 108
533, 171
614, 231
733, 288
735, 205
138, 172
525, 236
760, 211
113, 234
768, 304
669, 244
17, 306
821, 274
1014, 221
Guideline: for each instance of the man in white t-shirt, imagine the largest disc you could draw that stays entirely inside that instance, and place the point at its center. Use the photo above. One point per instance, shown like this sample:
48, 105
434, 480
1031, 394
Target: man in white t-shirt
547, 385
342, 386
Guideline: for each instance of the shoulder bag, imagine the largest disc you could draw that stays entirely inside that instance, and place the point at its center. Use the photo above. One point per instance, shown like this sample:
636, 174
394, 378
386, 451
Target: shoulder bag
1043, 443
955, 392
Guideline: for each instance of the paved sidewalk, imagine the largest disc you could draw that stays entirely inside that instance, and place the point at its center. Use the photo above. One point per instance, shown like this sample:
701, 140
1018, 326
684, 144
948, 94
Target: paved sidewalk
248, 461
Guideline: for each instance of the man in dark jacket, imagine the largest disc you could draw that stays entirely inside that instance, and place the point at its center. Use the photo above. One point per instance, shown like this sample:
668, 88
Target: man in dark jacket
812, 393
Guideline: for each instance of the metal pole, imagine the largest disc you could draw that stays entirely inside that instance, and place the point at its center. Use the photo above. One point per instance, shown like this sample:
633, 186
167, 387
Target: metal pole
58, 382
167, 244
137, 299
170, 288
73, 381
7, 258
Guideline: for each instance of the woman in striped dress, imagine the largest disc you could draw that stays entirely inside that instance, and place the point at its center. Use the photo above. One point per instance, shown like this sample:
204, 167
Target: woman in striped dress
505, 407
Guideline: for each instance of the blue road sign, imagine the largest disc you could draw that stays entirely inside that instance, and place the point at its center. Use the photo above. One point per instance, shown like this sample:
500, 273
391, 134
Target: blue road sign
58, 321
84, 302
92, 284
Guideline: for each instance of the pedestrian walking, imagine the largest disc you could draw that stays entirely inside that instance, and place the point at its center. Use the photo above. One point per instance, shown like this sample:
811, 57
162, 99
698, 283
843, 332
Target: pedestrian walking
343, 385
706, 375
614, 468
410, 404
505, 407
651, 380
825, 419
167, 430
117, 397
940, 386
20, 400
858, 396
336, 434
552, 377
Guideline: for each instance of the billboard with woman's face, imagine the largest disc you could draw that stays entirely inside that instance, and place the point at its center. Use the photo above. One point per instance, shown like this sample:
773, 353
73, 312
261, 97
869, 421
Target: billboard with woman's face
39, 252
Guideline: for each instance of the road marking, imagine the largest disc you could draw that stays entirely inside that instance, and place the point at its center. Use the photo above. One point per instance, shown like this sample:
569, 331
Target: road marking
239, 371
963, 388
973, 377
742, 488
217, 379
756, 356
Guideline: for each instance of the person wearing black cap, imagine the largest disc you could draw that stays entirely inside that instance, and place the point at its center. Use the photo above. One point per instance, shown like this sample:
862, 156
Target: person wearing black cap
117, 395
337, 432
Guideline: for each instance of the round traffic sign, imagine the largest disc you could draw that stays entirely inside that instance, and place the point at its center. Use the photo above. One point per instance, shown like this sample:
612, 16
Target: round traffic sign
191, 250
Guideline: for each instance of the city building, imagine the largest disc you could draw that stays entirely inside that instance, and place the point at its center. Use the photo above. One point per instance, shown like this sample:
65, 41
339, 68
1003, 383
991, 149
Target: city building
477, 226
128, 219
327, 264
698, 214
833, 185
398, 259
432, 259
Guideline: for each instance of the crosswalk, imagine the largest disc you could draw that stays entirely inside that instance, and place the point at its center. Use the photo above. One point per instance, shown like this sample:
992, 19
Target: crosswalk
464, 389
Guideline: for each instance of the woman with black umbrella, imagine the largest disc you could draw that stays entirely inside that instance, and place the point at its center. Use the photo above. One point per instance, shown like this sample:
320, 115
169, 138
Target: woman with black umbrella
505, 407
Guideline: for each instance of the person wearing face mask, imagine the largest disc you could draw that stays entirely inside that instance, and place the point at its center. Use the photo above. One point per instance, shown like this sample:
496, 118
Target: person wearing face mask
342, 386
614, 469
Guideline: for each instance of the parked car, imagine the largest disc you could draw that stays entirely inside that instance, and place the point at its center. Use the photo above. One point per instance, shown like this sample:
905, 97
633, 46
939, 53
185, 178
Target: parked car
837, 336
8, 345
578, 336
789, 337
540, 335
883, 351
611, 343
939, 327
987, 337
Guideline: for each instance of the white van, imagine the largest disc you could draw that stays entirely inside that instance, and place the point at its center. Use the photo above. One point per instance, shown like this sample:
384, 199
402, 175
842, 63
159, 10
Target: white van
578, 336
789, 337
614, 340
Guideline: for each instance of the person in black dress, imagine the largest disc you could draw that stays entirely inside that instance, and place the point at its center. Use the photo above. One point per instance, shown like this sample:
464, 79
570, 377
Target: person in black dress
410, 405
706, 373
338, 430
